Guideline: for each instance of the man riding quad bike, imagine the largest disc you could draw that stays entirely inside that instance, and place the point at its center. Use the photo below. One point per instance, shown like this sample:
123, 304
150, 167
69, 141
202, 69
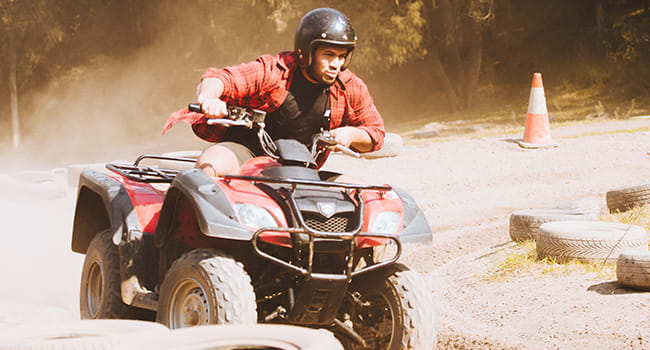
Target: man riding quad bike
277, 242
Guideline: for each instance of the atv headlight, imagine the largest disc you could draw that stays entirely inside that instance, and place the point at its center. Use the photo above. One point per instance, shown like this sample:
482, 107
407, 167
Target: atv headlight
254, 216
386, 222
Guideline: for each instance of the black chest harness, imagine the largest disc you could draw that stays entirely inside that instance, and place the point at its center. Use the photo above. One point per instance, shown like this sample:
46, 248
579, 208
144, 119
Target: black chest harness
304, 112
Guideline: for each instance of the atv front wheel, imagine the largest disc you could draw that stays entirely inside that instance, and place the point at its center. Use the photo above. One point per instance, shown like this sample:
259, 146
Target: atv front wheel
392, 309
100, 295
206, 286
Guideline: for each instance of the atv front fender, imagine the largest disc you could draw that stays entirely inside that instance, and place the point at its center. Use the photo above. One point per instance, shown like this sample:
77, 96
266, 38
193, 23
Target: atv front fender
214, 212
415, 227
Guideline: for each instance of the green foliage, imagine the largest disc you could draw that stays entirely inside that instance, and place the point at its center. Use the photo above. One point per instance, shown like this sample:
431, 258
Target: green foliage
631, 36
396, 40
390, 32
36, 29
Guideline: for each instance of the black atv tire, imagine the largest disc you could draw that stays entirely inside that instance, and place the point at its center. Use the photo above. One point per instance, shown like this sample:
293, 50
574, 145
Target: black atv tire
407, 306
206, 286
100, 295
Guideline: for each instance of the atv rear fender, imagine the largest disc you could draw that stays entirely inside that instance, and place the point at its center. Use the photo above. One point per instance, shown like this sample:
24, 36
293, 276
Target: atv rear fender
215, 215
102, 203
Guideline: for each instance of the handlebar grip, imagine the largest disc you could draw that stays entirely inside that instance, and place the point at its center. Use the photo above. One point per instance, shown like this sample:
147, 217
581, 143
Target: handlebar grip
195, 107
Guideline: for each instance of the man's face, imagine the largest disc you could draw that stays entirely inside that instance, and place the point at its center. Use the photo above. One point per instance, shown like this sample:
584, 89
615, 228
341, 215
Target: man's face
327, 62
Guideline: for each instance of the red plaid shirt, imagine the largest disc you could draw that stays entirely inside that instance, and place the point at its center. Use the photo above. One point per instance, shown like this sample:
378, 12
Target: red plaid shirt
264, 84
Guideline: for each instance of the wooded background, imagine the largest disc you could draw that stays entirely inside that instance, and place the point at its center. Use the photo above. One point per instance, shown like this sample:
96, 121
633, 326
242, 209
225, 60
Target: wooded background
115, 69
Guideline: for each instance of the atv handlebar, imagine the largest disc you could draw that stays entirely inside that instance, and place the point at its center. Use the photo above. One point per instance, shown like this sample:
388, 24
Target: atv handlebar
237, 116
254, 120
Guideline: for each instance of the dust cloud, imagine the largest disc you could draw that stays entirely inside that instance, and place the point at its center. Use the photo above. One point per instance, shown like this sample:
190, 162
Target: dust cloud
105, 110
108, 108
114, 106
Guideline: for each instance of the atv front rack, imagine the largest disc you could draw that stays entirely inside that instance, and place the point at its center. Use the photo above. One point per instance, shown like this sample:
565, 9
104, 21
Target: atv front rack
147, 174
313, 234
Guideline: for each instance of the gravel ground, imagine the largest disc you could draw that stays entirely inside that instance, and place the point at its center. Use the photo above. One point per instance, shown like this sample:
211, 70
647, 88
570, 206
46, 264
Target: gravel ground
468, 187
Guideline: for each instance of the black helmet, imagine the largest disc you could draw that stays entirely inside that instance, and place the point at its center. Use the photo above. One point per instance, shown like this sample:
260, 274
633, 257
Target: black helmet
323, 25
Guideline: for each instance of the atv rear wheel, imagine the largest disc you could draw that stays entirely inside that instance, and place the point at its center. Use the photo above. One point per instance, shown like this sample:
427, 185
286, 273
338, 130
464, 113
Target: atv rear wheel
391, 309
206, 286
100, 295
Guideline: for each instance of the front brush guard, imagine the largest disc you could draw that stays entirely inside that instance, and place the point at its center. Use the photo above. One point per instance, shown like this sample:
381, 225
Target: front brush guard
313, 234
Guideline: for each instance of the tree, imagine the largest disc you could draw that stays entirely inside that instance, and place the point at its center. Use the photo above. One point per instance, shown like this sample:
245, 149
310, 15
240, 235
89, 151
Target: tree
22, 21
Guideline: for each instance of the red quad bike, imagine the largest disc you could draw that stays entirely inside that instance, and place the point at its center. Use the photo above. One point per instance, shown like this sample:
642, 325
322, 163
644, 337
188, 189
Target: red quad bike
275, 244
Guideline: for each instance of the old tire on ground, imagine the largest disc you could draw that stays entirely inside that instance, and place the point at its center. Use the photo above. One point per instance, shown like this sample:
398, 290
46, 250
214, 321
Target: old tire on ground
400, 312
633, 269
524, 224
624, 199
206, 286
79, 335
588, 241
258, 336
393, 145
100, 295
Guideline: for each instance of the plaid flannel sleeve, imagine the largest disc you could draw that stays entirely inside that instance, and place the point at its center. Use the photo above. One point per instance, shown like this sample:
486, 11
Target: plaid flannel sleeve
244, 84
364, 114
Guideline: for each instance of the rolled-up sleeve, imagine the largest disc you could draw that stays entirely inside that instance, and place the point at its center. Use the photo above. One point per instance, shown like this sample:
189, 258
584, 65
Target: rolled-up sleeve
244, 81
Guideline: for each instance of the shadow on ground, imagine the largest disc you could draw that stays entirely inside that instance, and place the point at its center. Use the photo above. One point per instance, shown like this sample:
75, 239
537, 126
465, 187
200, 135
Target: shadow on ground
612, 288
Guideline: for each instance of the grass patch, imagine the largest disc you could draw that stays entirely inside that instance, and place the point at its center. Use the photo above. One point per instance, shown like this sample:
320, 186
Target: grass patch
639, 216
522, 261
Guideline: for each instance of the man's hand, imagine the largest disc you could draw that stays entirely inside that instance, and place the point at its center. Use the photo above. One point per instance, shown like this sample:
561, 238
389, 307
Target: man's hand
355, 138
213, 107
209, 96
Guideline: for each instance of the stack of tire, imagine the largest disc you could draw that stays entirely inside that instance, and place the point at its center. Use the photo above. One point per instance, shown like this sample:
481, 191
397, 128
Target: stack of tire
570, 232
633, 266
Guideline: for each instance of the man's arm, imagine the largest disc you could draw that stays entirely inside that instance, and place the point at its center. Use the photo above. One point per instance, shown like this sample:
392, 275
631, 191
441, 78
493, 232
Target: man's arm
362, 128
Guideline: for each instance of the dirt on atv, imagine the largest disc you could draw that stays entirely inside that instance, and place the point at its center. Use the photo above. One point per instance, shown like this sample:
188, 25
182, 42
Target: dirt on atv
467, 186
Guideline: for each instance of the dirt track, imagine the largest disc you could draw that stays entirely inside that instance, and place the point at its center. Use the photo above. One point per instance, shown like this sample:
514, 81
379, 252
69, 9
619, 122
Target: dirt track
467, 187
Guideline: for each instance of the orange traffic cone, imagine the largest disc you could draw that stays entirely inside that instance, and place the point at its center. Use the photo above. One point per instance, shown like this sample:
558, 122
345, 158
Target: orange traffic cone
537, 133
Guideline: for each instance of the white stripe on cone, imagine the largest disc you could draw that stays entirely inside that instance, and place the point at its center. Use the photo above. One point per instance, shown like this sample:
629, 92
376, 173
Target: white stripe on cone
537, 101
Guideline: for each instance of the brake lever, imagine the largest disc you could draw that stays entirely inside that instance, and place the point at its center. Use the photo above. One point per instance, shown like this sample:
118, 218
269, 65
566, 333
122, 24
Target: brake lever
347, 150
